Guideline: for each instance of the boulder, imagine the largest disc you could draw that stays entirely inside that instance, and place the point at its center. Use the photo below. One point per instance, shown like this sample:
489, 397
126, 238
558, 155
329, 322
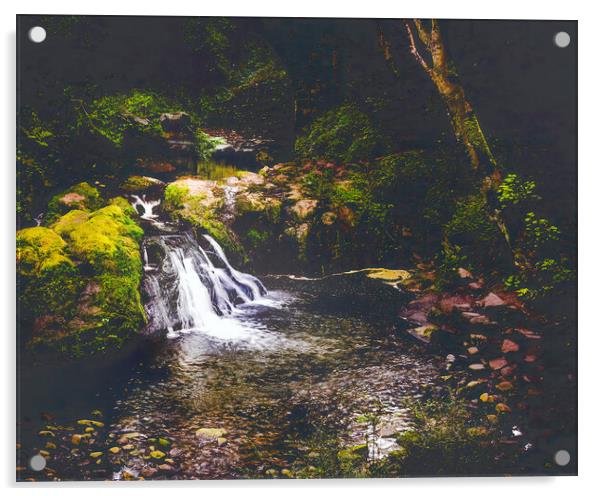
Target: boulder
177, 122
491, 300
304, 208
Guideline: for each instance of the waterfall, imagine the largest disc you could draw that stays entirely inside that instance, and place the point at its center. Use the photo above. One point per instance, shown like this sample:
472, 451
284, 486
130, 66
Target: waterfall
147, 206
188, 287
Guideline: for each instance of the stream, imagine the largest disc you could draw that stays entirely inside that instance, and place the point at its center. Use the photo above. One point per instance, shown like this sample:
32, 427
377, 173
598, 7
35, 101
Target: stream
236, 376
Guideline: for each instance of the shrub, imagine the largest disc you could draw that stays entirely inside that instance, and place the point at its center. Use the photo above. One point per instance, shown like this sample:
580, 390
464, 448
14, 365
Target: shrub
446, 439
344, 134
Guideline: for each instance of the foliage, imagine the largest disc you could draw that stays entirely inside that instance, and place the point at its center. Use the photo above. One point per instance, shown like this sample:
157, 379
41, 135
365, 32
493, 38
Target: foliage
470, 223
514, 190
445, 439
113, 116
36, 161
344, 134
470, 236
256, 238
386, 207
542, 269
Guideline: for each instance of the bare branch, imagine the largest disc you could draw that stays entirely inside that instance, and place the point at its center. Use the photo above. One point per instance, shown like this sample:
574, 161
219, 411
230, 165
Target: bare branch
415, 51
385, 47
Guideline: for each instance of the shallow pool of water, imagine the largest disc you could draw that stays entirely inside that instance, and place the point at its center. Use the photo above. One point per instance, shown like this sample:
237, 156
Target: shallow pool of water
309, 360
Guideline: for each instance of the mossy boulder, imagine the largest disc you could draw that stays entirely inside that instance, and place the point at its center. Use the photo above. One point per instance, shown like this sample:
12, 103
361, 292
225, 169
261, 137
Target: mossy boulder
108, 241
197, 202
82, 196
141, 184
47, 278
125, 205
79, 279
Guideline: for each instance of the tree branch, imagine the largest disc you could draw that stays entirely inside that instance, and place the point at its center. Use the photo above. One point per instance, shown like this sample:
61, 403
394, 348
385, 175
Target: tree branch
415, 51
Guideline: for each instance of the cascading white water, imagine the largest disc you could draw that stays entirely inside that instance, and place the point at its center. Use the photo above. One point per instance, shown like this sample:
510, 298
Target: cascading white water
186, 290
252, 284
188, 287
147, 206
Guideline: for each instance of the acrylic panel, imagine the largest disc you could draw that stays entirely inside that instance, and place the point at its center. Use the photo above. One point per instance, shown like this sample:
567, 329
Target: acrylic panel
295, 248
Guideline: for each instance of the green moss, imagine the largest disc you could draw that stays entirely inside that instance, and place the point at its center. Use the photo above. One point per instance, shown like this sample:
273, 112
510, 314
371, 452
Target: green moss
256, 238
82, 196
221, 234
47, 277
70, 221
98, 252
174, 197
201, 214
108, 240
136, 184
125, 205
38, 249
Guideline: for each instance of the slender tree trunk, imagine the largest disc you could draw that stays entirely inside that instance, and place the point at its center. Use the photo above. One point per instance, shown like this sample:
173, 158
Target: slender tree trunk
464, 121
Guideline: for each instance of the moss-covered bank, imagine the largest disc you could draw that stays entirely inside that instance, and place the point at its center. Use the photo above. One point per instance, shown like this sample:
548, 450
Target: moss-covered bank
79, 277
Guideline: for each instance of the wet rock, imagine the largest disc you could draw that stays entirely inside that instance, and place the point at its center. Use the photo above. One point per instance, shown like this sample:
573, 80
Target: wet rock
509, 346
177, 122
476, 318
423, 333
476, 366
148, 471
464, 274
94, 423
304, 208
141, 184
460, 302
417, 310
210, 433
504, 386
497, 363
491, 300
528, 334
174, 452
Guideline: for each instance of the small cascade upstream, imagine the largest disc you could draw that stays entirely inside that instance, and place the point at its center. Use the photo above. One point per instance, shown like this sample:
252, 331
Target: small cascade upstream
147, 207
188, 287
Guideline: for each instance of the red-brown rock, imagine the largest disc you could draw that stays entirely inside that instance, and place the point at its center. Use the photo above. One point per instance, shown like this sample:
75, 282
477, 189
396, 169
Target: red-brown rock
498, 363
509, 346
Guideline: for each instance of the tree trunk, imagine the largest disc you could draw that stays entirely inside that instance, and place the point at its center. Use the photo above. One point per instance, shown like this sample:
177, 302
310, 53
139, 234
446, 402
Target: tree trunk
464, 121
